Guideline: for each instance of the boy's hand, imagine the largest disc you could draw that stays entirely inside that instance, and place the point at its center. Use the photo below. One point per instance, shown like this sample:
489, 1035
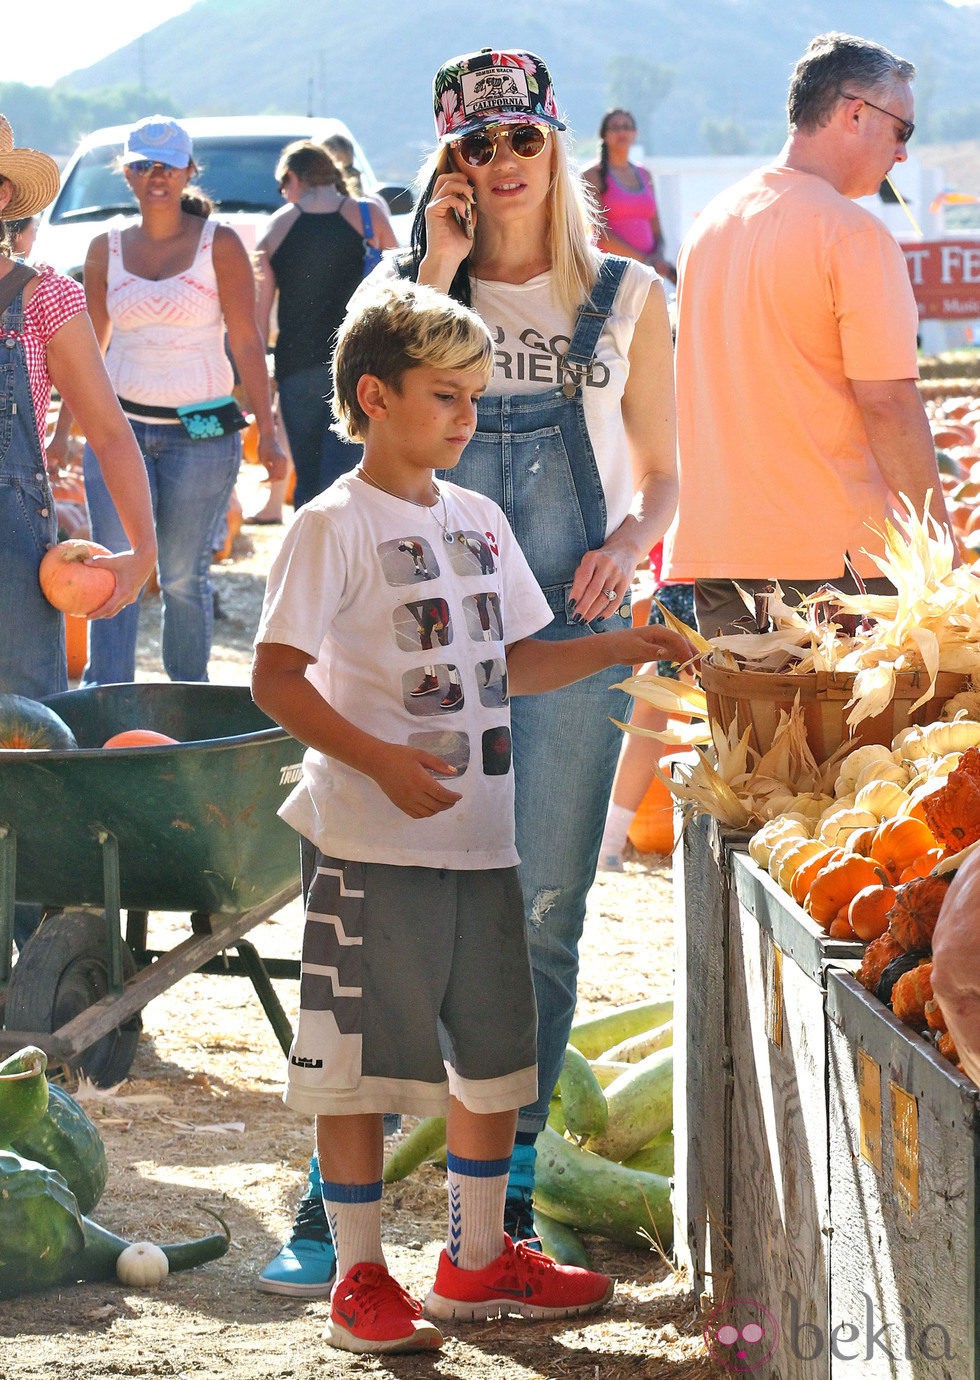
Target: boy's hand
651, 642
408, 778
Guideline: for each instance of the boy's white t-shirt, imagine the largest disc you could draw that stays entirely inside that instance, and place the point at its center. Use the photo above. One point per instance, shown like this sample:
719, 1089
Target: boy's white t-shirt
362, 582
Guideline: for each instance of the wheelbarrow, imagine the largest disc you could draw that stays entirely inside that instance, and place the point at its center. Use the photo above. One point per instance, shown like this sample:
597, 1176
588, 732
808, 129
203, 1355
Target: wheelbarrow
91, 832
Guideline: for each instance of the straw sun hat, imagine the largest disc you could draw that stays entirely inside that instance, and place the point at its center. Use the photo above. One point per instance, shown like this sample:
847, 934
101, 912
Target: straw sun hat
33, 177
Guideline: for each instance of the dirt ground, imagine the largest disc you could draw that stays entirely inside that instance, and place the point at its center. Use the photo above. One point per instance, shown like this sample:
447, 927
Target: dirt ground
199, 1123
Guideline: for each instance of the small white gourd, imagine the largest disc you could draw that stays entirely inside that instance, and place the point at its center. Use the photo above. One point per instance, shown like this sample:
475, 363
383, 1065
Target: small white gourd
142, 1265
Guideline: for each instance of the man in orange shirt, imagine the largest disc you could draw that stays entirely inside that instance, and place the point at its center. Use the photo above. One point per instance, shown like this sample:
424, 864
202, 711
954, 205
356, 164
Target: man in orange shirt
799, 420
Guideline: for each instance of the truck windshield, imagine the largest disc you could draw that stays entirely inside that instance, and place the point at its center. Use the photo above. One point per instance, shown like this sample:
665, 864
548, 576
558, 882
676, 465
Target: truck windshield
237, 172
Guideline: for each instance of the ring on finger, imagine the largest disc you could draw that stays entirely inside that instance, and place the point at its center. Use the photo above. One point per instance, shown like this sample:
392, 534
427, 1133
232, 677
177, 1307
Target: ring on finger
610, 594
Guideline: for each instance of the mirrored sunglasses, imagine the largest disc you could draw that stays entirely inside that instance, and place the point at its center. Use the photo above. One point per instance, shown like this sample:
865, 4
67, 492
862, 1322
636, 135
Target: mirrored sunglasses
477, 150
143, 167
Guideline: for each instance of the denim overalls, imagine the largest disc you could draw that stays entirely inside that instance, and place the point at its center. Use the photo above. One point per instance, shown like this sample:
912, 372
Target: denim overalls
532, 455
32, 632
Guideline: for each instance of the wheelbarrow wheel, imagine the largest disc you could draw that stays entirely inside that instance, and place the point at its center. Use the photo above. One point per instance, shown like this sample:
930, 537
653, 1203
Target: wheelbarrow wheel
62, 970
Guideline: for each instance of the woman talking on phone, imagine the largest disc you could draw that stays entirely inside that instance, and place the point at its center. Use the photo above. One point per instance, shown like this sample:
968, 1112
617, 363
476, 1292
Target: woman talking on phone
162, 295
575, 441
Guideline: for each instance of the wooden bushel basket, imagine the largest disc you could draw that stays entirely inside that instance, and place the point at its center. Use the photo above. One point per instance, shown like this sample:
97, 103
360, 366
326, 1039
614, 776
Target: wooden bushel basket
755, 698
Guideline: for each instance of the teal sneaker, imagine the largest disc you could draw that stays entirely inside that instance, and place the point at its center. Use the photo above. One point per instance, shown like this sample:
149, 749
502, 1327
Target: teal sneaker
306, 1266
519, 1204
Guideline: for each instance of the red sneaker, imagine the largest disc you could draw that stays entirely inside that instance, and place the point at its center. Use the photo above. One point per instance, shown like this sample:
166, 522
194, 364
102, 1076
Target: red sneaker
521, 1280
371, 1312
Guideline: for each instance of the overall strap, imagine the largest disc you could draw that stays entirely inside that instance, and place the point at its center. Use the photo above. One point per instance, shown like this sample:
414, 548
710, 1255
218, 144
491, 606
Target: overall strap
17, 279
592, 316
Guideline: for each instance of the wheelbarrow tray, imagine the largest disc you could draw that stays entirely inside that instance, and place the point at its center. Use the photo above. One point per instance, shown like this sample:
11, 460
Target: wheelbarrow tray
196, 823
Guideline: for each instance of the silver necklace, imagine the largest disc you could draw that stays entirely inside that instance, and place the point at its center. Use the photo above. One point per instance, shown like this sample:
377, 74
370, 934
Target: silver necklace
447, 536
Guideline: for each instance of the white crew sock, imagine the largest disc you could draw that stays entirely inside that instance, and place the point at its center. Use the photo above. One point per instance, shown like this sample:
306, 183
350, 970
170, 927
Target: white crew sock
477, 1189
354, 1214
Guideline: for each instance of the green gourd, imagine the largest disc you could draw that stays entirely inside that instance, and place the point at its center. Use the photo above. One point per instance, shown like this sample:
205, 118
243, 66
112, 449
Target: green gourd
67, 1140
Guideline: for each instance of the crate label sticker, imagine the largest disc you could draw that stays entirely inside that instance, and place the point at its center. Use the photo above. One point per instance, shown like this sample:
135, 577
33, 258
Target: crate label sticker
869, 1099
905, 1147
773, 985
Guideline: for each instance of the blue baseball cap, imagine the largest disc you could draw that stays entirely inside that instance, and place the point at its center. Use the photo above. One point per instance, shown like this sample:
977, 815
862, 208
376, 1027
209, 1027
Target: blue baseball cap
159, 139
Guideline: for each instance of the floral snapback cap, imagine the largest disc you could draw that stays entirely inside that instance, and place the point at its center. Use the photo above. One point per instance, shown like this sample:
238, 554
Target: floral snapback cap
492, 88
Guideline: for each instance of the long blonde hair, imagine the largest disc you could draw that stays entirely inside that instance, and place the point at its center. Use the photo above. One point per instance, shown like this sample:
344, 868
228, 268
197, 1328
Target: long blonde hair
572, 222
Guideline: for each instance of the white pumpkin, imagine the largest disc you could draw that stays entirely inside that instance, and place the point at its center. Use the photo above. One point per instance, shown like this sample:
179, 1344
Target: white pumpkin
142, 1265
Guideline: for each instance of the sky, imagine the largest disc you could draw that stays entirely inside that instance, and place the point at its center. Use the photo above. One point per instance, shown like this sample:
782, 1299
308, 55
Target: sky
53, 37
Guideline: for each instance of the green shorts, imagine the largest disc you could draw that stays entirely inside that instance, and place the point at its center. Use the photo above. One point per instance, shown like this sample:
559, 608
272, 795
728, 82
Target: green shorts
415, 984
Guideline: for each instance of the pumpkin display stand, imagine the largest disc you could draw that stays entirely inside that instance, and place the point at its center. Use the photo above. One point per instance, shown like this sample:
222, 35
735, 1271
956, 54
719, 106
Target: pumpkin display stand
755, 699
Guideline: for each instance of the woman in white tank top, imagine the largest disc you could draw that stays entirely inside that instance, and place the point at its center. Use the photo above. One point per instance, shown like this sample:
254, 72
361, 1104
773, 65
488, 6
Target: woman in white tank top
163, 294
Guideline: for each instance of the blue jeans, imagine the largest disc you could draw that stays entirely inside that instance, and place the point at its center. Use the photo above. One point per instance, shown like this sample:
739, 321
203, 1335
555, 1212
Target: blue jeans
319, 455
533, 455
565, 754
32, 632
190, 485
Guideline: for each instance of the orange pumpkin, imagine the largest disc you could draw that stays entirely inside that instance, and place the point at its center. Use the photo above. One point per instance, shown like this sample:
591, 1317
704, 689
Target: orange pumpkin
836, 885
947, 1047
138, 737
911, 992
935, 1019
860, 841
804, 876
877, 957
840, 928
914, 913
923, 865
867, 913
899, 842
953, 811
68, 583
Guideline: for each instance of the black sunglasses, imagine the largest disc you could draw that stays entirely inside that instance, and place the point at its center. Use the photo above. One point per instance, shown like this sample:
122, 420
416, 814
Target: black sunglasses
477, 150
144, 166
908, 128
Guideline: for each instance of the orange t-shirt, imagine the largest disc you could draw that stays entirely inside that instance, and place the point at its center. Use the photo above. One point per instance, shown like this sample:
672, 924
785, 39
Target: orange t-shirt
787, 291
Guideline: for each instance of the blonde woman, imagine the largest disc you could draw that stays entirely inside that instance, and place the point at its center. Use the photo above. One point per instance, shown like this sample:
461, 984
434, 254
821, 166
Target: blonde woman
575, 441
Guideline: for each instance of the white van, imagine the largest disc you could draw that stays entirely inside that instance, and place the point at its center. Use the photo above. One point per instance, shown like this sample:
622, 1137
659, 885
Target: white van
236, 158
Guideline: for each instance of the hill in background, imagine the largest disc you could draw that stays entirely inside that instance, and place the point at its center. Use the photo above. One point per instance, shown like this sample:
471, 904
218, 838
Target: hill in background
703, 76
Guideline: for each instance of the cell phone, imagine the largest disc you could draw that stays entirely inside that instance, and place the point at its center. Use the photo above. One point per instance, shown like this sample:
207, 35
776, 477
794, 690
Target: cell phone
465, 221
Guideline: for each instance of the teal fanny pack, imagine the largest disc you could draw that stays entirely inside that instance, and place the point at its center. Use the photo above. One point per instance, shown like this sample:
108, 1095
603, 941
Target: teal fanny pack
206, 420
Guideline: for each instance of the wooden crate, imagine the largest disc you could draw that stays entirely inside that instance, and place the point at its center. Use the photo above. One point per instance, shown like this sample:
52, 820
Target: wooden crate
780, 1190
702, 1059
904, 1165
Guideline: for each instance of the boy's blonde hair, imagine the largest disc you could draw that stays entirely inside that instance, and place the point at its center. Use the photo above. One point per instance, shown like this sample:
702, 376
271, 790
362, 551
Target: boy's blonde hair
399, 326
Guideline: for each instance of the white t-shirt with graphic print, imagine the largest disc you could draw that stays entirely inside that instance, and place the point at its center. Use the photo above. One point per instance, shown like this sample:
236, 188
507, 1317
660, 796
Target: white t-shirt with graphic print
408, 631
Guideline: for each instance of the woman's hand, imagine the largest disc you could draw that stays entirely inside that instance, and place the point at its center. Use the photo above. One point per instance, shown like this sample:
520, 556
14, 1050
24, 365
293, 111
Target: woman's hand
132, 569
273, 457
608, 571
447, 243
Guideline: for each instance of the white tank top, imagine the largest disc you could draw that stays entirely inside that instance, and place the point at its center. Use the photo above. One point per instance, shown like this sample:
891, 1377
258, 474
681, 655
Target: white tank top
168, 336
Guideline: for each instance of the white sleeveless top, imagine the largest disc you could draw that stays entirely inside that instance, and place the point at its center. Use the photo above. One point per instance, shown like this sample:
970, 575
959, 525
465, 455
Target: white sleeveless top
168, 336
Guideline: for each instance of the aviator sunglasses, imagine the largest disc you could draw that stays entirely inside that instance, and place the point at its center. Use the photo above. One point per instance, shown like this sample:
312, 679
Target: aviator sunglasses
479, 149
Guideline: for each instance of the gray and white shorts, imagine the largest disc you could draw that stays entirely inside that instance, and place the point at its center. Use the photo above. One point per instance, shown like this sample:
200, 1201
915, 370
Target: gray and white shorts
415, 984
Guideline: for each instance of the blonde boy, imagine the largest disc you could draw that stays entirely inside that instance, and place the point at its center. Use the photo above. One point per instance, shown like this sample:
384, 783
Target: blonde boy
398, 620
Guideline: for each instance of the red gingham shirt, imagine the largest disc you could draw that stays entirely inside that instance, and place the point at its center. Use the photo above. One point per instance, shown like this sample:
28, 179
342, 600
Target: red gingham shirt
56, 300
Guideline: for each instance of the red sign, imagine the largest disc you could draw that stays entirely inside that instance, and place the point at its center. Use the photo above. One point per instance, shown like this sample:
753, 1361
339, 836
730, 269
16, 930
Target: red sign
945, 278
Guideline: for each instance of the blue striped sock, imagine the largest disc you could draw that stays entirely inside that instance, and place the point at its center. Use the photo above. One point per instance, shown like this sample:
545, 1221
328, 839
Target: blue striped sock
354, 1214
477, 1189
